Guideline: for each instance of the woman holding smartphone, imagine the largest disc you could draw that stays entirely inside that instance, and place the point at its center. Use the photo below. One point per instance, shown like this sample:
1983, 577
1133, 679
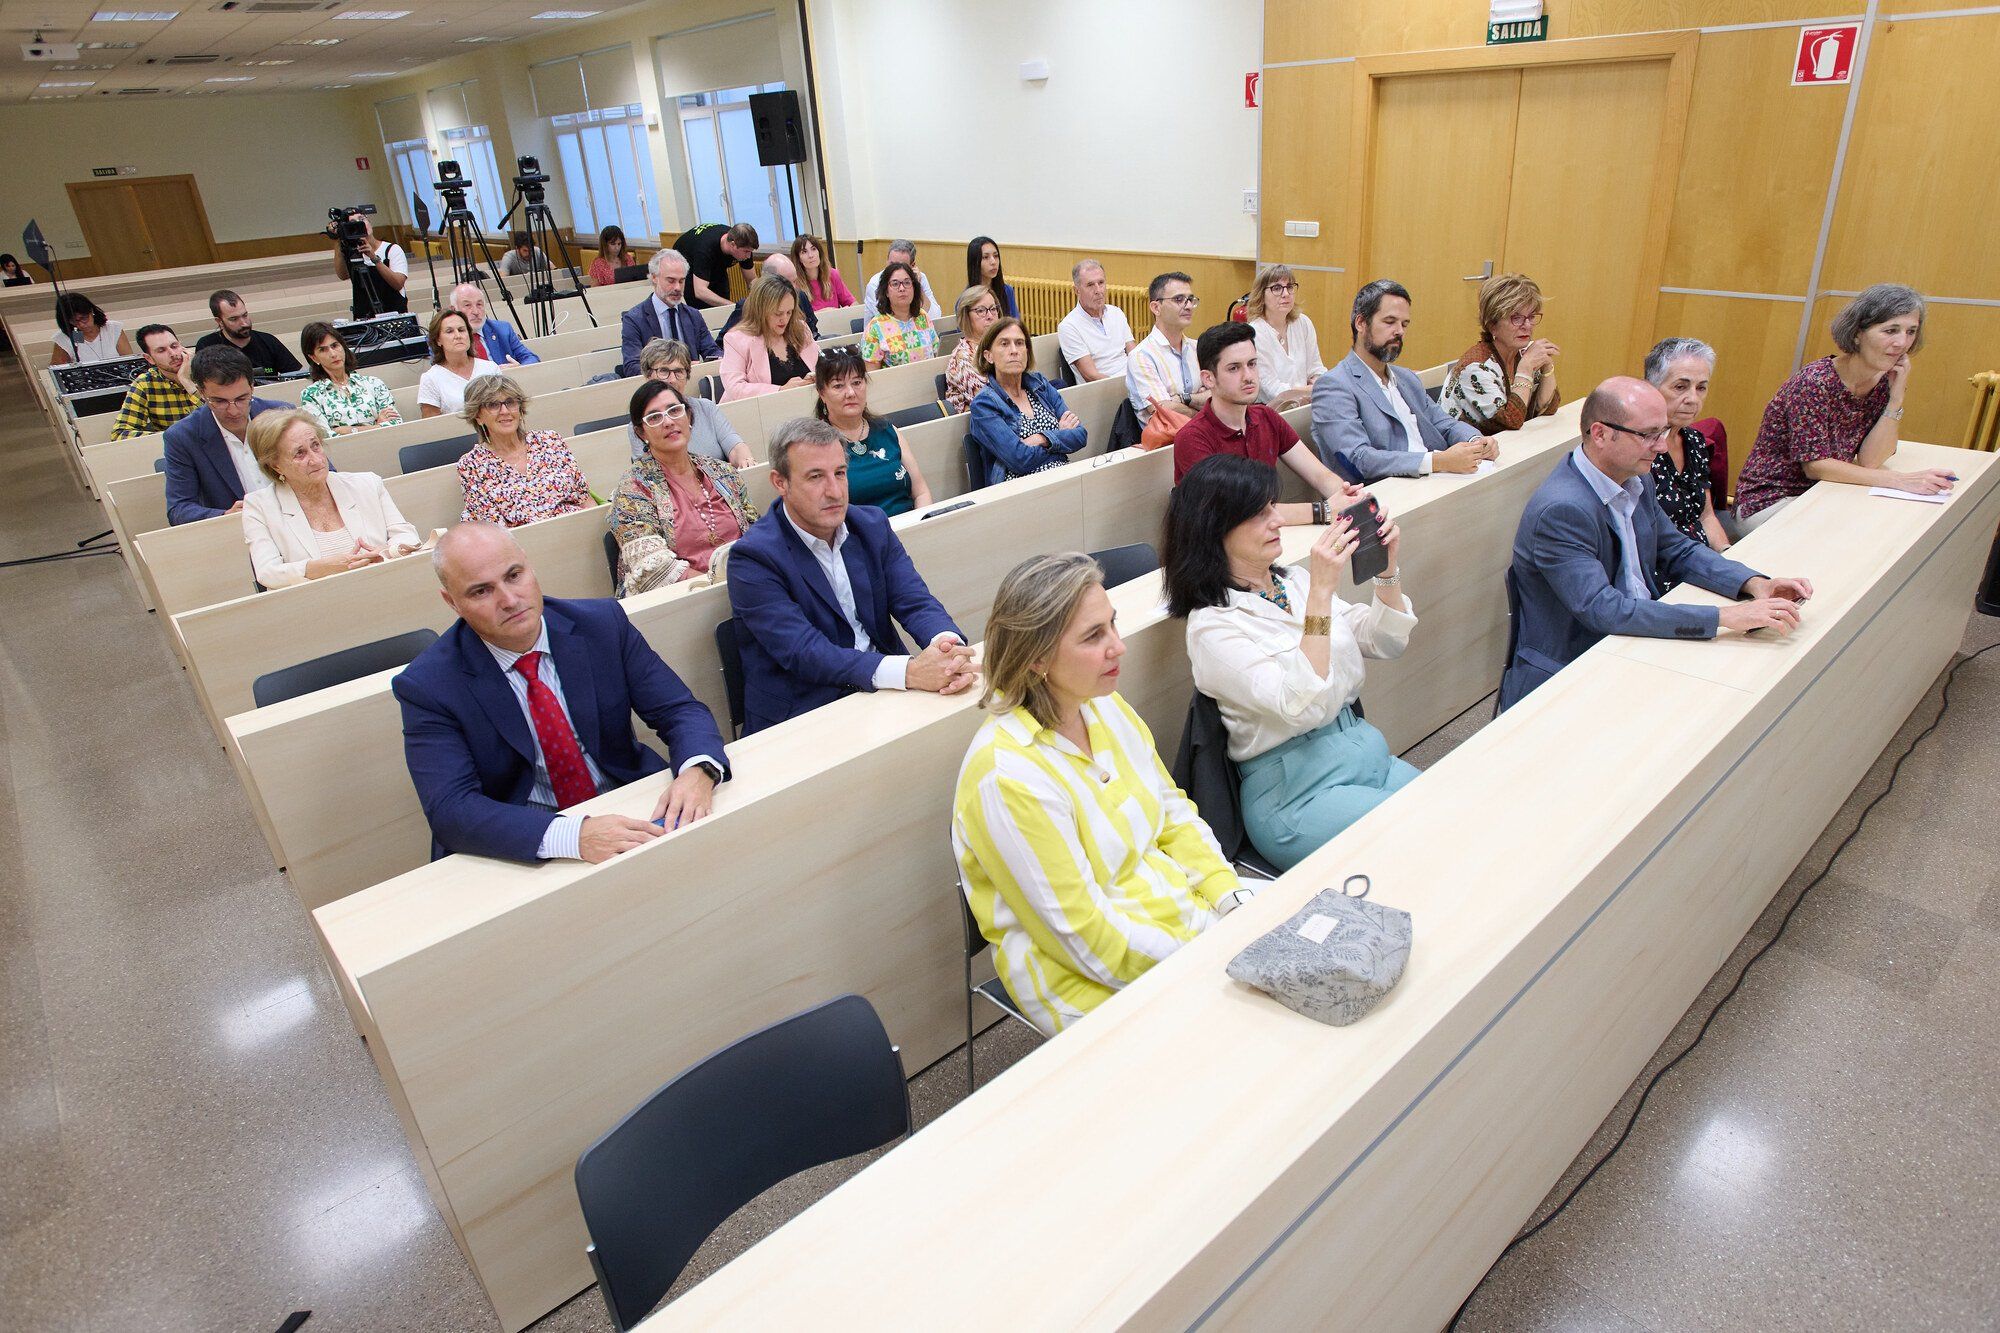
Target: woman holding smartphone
1281, 654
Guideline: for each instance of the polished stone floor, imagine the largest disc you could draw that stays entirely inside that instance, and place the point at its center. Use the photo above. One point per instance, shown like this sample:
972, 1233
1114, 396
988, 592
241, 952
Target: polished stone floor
192, 1137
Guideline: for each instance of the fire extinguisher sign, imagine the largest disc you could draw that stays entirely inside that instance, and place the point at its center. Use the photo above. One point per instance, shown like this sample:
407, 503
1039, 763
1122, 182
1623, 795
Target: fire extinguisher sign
1826, 55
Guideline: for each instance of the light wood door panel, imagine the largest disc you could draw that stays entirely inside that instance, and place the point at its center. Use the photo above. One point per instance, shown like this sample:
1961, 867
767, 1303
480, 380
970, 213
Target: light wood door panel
1308, 126
1579, 216
1439, 177
175, 220
112, 226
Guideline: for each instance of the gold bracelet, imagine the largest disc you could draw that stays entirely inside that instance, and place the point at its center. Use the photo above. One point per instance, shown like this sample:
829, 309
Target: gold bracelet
1319, 627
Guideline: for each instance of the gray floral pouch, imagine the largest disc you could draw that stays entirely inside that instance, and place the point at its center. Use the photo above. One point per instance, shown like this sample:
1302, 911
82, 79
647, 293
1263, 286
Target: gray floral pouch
1334, 959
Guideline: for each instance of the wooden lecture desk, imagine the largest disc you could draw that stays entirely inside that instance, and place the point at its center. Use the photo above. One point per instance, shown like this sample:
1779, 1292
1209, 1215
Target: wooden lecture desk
518, 1011
1613, 838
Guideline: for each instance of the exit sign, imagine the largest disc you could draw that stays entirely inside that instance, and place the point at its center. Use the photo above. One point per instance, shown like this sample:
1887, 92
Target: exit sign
104, 171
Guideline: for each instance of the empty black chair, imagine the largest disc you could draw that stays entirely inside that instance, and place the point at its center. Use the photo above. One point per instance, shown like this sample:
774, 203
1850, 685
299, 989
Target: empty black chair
602, 423
611, 554
436, 453
1513, 586
160, 464
943, 387
975, 465
710, 388
731, 653
321, 673
994, 991
856, 323
904, 417
1203, 769
1122, 564
1436, 392
815, 1088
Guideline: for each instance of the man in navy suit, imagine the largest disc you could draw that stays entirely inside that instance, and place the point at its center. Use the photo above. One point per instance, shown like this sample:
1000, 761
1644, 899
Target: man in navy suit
524, 707
492, 339
665, 314
1371, 418
819, 588
209, 464
1594, 551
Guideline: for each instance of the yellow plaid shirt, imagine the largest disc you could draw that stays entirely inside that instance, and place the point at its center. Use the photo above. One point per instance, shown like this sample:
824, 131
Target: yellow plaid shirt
154, 402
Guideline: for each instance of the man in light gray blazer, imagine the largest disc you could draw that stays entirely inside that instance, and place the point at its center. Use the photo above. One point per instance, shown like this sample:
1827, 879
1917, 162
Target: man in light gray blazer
1372, 419
1595, 551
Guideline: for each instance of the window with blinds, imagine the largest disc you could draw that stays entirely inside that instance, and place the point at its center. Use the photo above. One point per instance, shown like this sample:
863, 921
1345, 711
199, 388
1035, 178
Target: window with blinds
729, 183
606, 162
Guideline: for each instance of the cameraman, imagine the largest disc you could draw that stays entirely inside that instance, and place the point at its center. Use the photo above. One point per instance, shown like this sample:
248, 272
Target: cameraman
383, 267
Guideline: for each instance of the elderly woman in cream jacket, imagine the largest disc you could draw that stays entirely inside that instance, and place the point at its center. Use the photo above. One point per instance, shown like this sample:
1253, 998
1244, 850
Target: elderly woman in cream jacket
1281, 655
312, 521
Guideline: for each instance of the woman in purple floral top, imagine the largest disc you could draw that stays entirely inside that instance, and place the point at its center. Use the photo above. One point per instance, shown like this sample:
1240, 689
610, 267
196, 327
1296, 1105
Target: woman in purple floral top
1837, 418
512, 477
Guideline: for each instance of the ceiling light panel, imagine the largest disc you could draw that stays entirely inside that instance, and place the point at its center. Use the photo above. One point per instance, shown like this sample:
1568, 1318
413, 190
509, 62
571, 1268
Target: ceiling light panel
373, 15
135, 16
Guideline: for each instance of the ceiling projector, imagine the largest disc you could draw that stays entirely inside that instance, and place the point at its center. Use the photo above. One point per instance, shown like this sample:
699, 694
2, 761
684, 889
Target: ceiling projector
41, 50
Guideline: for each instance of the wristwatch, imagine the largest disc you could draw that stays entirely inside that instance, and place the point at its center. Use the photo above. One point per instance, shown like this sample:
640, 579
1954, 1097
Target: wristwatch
714, 771
1232, 900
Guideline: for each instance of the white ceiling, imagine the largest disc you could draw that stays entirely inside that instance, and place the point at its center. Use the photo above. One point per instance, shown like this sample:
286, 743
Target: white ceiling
368, 51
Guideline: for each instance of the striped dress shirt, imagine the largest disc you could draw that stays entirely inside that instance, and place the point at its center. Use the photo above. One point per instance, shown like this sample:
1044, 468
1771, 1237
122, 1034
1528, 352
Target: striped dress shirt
1083, 870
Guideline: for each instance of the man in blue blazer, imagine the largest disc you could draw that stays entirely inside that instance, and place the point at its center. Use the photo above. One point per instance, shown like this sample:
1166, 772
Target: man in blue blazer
503, 345
524, 707
1594, 551
209, 466
1371, 418
818, 589
665, 314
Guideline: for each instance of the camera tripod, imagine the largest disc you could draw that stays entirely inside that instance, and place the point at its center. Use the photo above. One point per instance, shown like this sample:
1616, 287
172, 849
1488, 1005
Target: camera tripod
470, 253
544, 239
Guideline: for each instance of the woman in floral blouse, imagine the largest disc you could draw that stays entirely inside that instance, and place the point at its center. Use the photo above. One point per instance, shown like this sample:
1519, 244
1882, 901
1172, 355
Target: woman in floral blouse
674, 508
342, 399
901, 331
977, 309
512, 477
1508, 377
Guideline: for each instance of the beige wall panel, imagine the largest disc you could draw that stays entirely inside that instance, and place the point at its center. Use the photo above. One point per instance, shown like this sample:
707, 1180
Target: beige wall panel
1320, 29
1753, 343
1217, 278
1959, 341
1918, 192
1307, 173
1755, 168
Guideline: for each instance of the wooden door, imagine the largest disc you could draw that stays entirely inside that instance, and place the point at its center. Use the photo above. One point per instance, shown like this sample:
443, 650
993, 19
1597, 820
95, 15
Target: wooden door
1440, 171
176, 221
1584, 201
112, 226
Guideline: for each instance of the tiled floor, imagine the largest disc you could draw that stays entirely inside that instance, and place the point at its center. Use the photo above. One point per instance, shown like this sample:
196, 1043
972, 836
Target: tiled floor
191, 1136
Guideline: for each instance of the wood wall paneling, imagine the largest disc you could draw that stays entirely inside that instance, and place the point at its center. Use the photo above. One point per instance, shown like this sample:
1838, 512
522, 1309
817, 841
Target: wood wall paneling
1326, 298
1959, 341
1753, 343
1216, 278
1322, 29
1754, 170
1307, 167
1918, 192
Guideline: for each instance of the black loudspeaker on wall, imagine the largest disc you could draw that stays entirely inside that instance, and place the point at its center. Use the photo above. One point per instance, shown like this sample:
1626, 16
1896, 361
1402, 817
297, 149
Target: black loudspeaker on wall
781, 133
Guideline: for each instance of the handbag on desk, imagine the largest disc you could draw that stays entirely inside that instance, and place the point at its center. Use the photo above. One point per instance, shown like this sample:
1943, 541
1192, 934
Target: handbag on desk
1163, 425
1333, 960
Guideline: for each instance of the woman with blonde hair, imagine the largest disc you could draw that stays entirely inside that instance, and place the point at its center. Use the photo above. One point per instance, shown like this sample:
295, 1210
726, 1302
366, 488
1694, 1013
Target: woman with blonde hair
770, 348
1508, 377
312, 521
977, 310
1288, 359
513, 476
1082, 861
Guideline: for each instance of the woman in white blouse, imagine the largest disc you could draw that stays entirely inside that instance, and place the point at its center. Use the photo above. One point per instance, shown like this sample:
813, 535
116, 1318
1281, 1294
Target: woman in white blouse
314, 521
86, 333
1287, 344
1280, 653
441, 390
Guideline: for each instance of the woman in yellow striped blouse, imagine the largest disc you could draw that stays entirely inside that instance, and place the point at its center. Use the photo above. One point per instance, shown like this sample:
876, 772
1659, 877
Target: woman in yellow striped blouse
1083, 863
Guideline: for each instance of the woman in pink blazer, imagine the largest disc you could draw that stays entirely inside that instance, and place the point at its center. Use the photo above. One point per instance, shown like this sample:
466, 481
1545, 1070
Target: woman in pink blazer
770, 348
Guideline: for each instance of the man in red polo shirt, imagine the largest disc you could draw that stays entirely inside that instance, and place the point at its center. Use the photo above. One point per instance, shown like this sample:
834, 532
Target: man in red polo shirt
1234, 422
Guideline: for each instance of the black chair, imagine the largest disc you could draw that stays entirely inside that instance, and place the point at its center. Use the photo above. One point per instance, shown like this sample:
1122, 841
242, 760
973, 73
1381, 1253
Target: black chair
857, 323
905, 417
274, 687
436, 453
943, 387
1513, 585
975, 465
160, 464
1122, 564
602, 423
994, 991
730, 650
1126, 428
710, 388
1436, 392
611, 554
1064, 377
1203, 769
815, 1088
1987, 600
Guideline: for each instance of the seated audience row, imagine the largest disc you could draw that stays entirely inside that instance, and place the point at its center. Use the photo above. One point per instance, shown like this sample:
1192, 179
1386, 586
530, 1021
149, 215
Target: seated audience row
311, 521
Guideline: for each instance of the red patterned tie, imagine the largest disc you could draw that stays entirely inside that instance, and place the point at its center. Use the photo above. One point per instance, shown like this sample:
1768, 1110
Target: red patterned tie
569, 775
479, 354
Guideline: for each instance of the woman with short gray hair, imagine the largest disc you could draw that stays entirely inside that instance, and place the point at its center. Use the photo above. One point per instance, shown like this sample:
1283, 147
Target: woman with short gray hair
1680, 368
1837, 418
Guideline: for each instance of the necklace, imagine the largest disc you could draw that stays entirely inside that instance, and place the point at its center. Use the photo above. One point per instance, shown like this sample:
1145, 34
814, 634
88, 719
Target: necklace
1275, 595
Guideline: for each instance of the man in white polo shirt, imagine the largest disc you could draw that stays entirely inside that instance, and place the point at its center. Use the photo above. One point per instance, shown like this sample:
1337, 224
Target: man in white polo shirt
1095, 336
1371, 418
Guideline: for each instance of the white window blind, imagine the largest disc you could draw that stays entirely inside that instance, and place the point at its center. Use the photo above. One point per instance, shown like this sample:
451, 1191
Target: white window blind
730, 54
400, 119
609, 79
558, 87
451, 105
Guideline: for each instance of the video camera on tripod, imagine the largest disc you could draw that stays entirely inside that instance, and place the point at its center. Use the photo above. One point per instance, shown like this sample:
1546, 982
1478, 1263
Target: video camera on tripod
344, 224
450, 184
531, 184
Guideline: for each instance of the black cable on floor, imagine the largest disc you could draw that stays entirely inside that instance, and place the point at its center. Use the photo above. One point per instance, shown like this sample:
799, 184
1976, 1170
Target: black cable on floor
1944, 707
59, 555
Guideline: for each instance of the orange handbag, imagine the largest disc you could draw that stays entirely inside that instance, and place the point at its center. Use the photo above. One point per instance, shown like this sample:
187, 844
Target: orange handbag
1162, 426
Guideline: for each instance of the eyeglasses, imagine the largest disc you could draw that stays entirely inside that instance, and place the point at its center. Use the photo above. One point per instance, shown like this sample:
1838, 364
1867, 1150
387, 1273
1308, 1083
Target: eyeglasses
1187, 301
667, 373
901, 282
1285, 287
1649, 436
987, 309
671, 412
501, 405
241, 400
1525, 321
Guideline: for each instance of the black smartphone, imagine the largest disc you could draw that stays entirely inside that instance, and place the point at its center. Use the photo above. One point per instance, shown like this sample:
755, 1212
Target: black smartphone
1370, 556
